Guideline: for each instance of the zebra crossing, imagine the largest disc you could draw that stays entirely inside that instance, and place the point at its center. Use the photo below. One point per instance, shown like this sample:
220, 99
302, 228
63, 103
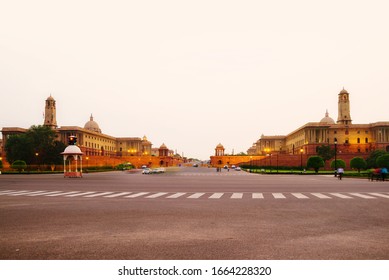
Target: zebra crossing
198, 195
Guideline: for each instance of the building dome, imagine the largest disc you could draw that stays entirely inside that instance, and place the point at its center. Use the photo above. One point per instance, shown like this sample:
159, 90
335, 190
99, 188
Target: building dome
72, 150
50, 98
163, 146
92, 125
343, 91
220, 146
327, 119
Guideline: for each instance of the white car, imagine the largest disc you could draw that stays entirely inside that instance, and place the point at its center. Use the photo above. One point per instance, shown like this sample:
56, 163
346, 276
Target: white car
146, 171
238, 168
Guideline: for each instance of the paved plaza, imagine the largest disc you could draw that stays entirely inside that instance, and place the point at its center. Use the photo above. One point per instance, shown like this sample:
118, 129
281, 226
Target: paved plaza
193, 213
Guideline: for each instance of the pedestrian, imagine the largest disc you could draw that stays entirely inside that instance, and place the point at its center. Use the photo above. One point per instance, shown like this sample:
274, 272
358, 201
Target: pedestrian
340, 173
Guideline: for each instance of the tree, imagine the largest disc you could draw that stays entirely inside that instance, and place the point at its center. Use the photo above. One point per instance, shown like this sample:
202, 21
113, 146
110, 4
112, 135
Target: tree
1, 164
19, 165
325, 152
36, 146
358, 163
315, 162
372, 159
383, 161
339, 163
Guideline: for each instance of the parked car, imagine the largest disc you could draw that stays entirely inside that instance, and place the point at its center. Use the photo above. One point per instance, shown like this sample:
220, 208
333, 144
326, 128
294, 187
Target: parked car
238, 168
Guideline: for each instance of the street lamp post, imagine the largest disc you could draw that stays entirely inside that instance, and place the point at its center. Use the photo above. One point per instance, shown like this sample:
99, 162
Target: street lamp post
36, 157
301, 159
336, 170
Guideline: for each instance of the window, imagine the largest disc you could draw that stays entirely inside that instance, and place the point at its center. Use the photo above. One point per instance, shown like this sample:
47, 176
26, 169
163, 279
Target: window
358, 140
366, 140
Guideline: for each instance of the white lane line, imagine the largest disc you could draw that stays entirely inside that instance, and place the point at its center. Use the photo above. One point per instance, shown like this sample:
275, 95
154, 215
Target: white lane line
237, 196
176, 195
341, 195
278, 195
257, 196
363, 196
321, 196
117, 194
20, 193
156, 195
37, 192
6, 191
79, 194
216, 196
196, 195
44, 193
98, 194
380, 195
136, 195
300, 196
63, 193
13, 192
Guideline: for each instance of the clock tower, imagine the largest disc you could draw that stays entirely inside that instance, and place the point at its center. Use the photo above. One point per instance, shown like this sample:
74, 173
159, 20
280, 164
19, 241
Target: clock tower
344, 108
50, 113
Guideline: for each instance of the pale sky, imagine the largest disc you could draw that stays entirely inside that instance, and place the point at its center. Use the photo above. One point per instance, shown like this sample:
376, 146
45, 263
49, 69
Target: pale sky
192, 74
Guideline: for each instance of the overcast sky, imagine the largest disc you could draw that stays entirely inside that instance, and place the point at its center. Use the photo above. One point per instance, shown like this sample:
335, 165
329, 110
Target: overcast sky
191, 74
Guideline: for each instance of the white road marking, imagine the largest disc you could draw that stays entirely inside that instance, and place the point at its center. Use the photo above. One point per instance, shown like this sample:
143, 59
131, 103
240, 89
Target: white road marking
363, 196
380, 195
6, 191
278, 195
321, 196
257, 196
196, 195
98, 194
237, 196
156, 195
37, 192
44, 193
62, 193
19, 193
216, 196
79, 194
136, 195
300, 196
176, 195
341, 195
117, 194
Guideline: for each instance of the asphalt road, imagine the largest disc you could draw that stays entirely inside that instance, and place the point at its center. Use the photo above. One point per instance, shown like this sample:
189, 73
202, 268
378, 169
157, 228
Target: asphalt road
192, 213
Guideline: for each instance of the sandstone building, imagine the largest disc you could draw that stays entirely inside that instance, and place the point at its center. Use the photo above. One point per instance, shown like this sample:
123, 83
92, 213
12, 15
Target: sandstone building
293, 149
350, 138
99, 148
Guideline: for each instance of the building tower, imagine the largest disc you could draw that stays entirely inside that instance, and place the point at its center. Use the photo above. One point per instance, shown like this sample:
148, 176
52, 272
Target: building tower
219, 150
50, 113
344, 108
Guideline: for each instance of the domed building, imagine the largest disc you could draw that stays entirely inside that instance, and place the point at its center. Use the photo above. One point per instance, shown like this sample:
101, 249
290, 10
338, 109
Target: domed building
93, 143
327, 119
92, 125
355, 139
